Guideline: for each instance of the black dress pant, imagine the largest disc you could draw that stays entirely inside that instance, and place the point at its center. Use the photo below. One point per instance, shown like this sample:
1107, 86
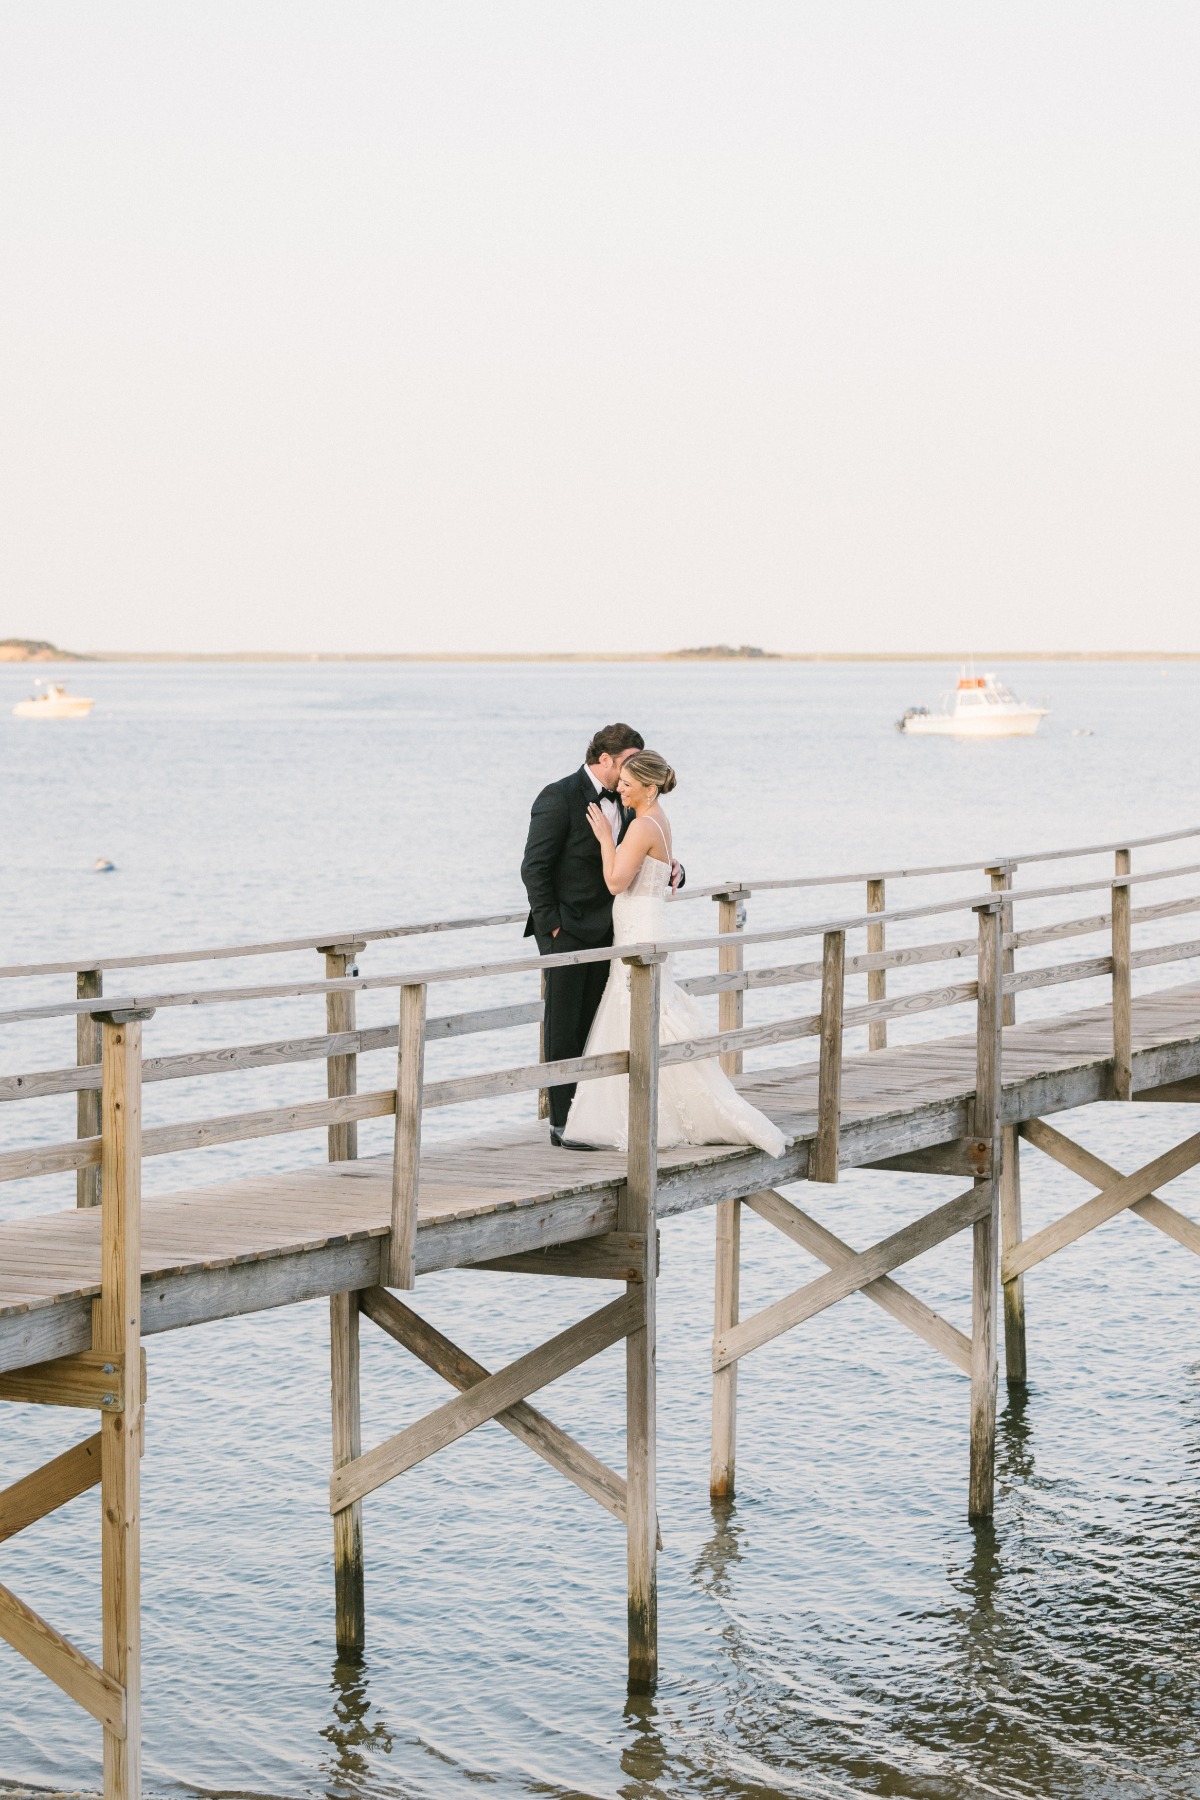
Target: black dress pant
572, 999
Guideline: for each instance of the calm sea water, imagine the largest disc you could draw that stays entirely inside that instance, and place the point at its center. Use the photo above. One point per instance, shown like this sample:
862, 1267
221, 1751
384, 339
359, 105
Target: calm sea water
837, 1630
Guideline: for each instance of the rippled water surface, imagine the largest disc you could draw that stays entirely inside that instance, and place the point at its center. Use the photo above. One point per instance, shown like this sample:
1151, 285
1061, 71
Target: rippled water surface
837, 1630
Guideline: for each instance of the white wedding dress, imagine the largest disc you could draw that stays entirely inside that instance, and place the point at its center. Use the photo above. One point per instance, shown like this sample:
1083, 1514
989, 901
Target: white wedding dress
697, 1102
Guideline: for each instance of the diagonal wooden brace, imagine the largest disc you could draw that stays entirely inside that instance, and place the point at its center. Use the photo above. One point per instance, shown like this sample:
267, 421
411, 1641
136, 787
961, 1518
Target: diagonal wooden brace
495, 1394
49, 1487
865, 1267
1126, 1191
894, 1299
72, 1671
527, 1425
1102, 1175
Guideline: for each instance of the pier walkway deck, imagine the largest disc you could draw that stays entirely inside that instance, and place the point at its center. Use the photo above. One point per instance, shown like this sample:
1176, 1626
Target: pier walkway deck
243, 1246
81, 1289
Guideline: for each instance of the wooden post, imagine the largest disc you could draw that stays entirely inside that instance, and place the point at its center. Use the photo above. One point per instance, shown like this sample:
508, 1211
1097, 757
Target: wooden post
1001, 876
116, 1331
877, 978
730, 1015
1122, 997
399, 1263
543, 1093
341, 1071
344, 1380
985, 1259
89, 985
823, 1162
349, 1602
1010, 1236
637, 1212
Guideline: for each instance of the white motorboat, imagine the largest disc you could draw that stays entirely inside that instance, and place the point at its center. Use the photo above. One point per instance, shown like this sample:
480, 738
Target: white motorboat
54, 703
980, 706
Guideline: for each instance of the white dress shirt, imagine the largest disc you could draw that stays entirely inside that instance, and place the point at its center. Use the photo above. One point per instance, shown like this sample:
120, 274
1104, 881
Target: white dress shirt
609, 808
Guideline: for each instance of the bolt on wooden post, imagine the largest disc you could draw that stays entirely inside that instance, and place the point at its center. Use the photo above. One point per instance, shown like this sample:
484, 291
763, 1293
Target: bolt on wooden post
876, 945
637, 1212
89, 985
1122, 990
116, 1332
344, 1371
730, 1014
985, 1231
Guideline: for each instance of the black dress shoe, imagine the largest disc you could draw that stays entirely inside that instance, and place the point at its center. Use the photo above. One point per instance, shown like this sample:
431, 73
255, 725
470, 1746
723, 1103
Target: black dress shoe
572, 1144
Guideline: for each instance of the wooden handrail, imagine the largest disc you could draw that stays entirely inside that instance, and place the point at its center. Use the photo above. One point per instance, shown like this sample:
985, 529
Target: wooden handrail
483, 921
607, 953
163, 1140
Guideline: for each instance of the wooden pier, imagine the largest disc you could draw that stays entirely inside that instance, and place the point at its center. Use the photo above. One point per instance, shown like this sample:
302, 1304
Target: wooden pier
81, 1289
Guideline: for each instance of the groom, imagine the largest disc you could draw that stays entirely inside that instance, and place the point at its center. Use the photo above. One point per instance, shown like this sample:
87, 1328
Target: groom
570, 907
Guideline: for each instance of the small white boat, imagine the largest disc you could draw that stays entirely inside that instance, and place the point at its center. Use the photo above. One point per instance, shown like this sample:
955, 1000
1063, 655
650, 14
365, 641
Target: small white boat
55, 703
980, 706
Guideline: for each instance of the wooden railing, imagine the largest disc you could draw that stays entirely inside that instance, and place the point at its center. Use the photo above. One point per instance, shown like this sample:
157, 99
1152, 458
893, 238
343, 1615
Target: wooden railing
413, 1094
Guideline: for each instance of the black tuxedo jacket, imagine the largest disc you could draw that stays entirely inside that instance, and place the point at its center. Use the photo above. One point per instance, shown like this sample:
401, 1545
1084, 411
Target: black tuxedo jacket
563, 870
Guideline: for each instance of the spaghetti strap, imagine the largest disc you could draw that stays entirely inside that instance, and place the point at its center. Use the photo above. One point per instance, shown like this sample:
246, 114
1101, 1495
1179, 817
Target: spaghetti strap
662, 834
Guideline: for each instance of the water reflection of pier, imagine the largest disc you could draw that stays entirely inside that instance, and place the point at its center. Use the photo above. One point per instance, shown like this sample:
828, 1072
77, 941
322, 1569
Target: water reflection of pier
80, 1289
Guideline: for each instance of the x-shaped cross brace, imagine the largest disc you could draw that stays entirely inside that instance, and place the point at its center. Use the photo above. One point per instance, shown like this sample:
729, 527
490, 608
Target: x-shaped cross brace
851, 1272
483, 1396
1118, 1192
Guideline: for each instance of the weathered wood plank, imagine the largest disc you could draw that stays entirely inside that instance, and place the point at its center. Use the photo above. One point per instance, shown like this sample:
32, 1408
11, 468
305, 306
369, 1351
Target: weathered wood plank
235, 1058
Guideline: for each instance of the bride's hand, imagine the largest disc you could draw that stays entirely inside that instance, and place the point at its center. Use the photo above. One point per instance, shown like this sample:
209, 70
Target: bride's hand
599, 823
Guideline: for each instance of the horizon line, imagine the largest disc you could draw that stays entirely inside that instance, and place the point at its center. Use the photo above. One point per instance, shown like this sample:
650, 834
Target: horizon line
603, 656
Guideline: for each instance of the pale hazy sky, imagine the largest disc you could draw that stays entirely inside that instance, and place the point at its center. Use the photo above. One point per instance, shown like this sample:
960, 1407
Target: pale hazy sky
536, 324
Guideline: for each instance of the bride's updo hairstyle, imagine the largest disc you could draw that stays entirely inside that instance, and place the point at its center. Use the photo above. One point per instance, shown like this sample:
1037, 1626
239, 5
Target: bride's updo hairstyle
652, 770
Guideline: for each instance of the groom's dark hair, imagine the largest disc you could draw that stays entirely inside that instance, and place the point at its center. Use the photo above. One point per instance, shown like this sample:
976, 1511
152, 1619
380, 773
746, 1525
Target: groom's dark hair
610, 740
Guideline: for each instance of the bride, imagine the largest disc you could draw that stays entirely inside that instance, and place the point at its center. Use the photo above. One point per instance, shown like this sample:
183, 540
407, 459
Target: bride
697, 1103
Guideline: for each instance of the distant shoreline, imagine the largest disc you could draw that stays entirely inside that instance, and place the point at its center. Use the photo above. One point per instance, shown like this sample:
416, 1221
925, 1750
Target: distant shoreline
664, 656
980, 658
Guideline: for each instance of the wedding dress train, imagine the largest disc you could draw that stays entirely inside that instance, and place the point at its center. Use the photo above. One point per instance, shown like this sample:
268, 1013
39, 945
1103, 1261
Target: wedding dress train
697, 1102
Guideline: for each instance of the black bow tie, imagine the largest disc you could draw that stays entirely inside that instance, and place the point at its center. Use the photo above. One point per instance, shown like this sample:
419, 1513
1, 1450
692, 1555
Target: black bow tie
610, 794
